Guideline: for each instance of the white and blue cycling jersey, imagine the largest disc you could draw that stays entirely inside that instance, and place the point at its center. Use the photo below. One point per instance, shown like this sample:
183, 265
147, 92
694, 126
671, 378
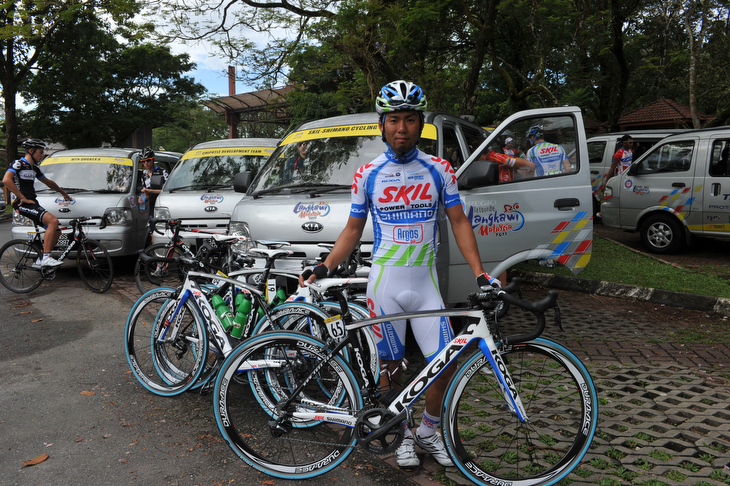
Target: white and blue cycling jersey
548, 158
403, 195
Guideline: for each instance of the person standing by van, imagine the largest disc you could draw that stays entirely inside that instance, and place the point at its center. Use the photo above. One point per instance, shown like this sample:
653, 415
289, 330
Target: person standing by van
403, 189
150, 169
621, 159
548, 158
19, 179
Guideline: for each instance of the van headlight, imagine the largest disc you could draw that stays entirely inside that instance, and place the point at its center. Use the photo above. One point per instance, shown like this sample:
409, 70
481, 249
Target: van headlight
163, 213
607, 193
118, 215
241, 230
20, 220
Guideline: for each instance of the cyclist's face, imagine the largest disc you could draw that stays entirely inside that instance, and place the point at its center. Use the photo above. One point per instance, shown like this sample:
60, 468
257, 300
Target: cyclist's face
36, 154
402, 130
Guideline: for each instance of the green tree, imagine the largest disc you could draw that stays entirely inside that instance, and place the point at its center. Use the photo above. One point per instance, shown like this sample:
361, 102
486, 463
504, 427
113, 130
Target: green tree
25, 31
96, 89
195, 125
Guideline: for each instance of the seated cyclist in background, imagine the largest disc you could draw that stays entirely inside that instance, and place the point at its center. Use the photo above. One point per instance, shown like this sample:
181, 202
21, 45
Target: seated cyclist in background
19, 179
403, 190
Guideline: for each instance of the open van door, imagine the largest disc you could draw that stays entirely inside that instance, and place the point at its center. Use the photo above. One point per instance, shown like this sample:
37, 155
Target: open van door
522, 214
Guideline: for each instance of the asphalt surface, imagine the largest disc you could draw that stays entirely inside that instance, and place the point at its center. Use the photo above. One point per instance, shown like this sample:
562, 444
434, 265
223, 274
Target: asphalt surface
68, 392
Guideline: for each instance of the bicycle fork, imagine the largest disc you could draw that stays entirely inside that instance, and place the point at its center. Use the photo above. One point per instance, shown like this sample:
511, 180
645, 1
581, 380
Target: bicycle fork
489, 348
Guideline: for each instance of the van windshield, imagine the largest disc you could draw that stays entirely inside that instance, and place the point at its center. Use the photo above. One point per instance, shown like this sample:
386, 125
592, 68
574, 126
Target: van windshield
87, 176
331, 161
211, 171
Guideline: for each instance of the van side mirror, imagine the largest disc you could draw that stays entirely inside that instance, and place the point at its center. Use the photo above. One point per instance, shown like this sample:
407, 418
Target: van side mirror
480, 173
157, 181
242, 180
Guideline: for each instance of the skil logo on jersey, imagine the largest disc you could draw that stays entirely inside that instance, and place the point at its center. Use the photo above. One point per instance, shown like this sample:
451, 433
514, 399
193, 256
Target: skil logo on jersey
406, 194
312, 210
553, 149
496, 222
211, 198
408, 234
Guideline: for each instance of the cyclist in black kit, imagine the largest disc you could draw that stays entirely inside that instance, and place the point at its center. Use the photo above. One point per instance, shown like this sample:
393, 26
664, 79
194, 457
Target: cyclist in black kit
19, 180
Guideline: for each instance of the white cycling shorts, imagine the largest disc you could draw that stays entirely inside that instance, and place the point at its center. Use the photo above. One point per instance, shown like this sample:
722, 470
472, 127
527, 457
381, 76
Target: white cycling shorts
394, 289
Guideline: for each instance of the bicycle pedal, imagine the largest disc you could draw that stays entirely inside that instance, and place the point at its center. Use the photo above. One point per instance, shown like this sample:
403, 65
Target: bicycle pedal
409, 417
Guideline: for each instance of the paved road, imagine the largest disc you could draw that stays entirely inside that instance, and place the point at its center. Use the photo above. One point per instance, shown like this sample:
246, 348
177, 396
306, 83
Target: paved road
68, 392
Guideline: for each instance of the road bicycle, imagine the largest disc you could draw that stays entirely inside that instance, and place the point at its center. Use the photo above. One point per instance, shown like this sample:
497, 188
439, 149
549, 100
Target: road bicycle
175, 340
519, 410
170, 274
19, 272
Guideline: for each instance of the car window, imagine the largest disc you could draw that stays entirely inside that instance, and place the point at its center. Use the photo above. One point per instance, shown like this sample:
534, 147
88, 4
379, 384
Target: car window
595, 151
97, 174
200, 168
720, 159
559, 138
668, 157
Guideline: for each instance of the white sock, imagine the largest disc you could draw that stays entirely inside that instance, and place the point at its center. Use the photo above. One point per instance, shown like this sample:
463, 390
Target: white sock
428, 425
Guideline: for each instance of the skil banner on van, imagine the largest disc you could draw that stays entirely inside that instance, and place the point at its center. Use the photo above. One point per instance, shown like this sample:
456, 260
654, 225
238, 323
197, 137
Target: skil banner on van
359, 130
220, 152
87, 160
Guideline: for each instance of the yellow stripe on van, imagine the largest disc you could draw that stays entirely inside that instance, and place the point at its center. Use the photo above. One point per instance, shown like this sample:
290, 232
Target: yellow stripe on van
86, 160
213, 152
363, 129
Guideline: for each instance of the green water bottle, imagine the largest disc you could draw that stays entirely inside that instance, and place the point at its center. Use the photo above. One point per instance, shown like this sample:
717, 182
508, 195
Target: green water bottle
243, 309
222, 310
280, 297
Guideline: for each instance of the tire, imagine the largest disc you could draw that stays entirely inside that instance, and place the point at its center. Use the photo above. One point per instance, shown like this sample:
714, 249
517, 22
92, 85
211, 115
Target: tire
244, 409
95, 266
662, 233
173, 366
16, 270
486, 440
163, 274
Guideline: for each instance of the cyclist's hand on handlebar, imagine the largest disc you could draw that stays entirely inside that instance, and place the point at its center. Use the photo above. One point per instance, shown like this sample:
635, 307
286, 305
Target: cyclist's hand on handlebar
310, 275
487, 283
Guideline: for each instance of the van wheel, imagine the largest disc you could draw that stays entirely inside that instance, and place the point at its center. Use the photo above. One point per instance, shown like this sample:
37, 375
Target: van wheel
662, 233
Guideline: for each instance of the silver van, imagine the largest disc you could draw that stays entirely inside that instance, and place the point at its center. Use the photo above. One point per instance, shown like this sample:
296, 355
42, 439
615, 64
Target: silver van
101, 182
531, 218
601, 149
199, 191
677, 190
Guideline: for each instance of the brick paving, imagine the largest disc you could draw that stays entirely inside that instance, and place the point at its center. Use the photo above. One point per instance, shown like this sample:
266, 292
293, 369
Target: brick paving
664, 406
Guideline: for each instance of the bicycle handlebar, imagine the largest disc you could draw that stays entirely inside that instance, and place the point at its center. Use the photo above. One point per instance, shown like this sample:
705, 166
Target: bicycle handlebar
536, 308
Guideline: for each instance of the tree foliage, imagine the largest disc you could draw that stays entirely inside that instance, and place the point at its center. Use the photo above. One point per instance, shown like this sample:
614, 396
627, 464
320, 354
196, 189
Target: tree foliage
484, 57
97, 84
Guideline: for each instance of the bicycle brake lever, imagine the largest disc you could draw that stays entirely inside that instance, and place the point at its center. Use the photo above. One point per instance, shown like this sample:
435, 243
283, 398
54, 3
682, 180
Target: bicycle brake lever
558, 321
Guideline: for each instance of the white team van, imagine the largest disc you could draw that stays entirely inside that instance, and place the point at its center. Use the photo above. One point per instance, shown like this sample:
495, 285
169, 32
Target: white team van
538, 218
677, 190
602, 147
199, 191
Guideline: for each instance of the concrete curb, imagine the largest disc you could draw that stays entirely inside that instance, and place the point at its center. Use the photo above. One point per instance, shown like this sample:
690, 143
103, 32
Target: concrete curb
705, 303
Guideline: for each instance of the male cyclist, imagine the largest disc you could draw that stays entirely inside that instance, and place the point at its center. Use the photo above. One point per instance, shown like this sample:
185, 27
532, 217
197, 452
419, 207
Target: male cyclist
19, 179
621, 159
548, 158
403, 190
150, 169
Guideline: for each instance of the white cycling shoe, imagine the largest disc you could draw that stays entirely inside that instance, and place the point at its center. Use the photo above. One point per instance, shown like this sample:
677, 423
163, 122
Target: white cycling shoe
433, 445
47, 262
405, 454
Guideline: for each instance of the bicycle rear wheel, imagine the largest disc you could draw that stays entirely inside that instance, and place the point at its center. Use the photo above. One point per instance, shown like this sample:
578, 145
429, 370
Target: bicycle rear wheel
159, 274
257, 376
95, 266
16, 266
165, 351
491, 446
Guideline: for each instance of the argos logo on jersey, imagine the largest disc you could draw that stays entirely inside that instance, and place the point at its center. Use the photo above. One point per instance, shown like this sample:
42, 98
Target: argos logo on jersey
406, 194
408, 234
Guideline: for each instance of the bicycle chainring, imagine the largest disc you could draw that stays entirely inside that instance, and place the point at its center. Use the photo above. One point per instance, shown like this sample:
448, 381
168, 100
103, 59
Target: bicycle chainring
370, 423
48, 273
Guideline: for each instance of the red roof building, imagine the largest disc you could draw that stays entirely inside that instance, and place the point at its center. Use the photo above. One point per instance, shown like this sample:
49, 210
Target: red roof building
662, 113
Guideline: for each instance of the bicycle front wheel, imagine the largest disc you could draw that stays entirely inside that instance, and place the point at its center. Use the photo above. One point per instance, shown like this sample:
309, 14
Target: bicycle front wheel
16, 266
485, 438
277, 440
166, 350
95, 266
159, 274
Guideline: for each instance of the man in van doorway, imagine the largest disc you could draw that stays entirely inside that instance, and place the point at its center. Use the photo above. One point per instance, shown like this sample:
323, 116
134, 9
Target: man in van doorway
621, 159
548, 158
403, 189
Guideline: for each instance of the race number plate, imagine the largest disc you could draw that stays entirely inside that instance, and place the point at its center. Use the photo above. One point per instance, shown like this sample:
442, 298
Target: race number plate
63, 241
336, 327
